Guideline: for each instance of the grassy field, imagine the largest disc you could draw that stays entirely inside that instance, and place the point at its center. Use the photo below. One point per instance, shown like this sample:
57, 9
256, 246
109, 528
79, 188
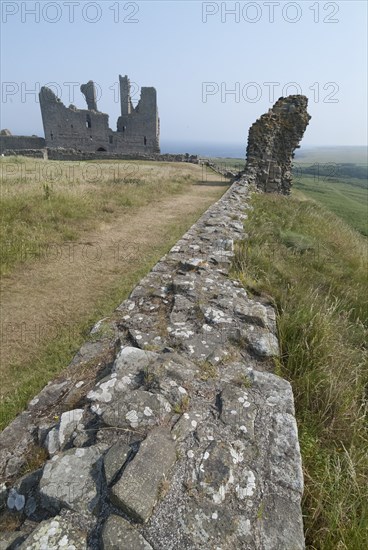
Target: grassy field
56, 202
73, 249
334, 176
345, 196
315, 268
352, 154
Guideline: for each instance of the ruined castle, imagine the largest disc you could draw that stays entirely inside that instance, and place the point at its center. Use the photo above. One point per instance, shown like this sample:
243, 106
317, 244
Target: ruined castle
87, 130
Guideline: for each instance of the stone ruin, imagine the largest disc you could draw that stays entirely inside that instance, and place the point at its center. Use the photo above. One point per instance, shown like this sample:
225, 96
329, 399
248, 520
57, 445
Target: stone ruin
138, 128
170, 428
88, 131
271, 143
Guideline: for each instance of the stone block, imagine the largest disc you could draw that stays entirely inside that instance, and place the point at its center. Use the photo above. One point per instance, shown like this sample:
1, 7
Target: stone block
138, 490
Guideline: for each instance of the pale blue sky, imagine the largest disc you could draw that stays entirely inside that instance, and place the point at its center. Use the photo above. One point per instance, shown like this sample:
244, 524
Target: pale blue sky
173, 47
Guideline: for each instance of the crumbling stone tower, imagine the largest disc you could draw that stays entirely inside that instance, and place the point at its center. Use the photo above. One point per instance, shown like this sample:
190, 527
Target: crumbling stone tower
141, 121
272, 140
138, 129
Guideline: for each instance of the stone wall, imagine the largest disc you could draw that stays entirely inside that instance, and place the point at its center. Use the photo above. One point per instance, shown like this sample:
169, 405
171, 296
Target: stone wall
271, 143
170, 428
34, 153
173, 430
21, 142
72, 154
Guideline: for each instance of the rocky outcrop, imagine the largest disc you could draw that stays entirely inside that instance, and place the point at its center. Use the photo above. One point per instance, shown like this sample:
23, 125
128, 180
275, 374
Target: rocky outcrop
185, 437
271, 143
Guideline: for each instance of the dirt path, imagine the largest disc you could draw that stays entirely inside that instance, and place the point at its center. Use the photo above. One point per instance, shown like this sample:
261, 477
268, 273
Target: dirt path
67, 283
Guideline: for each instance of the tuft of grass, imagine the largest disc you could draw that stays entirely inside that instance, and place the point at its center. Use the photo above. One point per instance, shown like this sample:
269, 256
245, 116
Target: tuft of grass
183, 406
36, 457
163, 489
10, 521
315, 267
208, 371
243, 381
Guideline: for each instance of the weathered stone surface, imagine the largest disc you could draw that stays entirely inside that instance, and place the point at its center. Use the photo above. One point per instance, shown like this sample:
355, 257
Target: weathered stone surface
271, 143
128, 373
72, 479
56, 532
52, 443
133, 360
11, 539
15, 501
24, 495
138, 490
115, 459
253, 313
261, 342
68, 423
119, 534
3, 496
238, 410
60, 437
141, 410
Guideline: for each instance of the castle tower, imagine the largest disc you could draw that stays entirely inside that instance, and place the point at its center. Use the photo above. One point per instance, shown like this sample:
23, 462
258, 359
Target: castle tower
125, 99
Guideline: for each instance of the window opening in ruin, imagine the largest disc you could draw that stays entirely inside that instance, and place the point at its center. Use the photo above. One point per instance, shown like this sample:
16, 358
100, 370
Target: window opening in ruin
52, 136
102, 149
110, 139
145, 140
88, 122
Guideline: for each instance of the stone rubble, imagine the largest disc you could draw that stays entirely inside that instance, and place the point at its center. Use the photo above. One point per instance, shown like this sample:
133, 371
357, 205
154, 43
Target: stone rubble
186, 439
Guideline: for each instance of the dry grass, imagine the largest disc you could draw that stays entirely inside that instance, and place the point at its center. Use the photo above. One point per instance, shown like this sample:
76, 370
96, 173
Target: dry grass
46, 204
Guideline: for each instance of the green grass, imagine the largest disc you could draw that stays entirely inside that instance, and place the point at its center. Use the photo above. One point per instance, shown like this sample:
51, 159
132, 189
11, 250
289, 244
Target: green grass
346, 197
315, 268
229, 163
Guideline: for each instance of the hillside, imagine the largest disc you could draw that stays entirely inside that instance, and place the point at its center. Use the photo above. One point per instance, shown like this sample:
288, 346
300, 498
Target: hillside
314, 266
336, 177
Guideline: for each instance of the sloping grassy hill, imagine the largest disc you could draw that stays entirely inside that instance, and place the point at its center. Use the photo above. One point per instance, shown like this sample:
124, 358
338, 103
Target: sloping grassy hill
315, 268
347, 197
343, 153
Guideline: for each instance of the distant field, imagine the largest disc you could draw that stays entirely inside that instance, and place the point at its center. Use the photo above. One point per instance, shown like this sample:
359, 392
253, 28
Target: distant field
227, 162
354, 154
334, 176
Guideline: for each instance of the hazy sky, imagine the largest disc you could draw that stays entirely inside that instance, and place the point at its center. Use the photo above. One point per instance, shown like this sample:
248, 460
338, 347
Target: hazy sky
217, 66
